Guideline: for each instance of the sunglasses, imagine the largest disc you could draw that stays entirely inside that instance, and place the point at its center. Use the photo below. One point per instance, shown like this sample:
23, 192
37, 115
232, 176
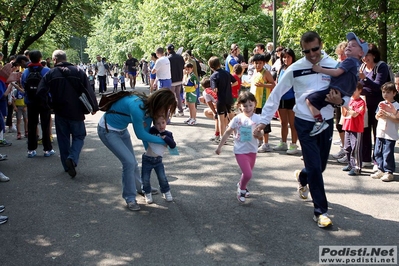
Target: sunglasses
314, 49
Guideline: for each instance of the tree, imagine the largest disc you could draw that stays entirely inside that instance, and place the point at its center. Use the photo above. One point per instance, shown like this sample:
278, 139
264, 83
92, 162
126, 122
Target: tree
371, 20
23, 22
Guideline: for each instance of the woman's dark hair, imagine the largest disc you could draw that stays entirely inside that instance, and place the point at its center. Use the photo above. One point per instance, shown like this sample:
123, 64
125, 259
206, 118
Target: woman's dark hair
161, 102
287, 51
154, 55
373, 49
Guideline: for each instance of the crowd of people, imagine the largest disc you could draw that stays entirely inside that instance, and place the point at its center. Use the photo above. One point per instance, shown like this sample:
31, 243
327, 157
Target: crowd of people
304, 94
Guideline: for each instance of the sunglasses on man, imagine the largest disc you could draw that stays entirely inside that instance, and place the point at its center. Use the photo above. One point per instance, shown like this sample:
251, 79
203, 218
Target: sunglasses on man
314, 49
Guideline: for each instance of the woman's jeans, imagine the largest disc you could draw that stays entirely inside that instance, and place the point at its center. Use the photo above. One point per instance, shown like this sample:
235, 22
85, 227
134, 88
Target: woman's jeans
120, 144
147, 164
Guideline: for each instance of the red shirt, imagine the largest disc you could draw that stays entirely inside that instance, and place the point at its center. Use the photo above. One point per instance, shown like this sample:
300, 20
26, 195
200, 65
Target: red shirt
355, 124
236, 89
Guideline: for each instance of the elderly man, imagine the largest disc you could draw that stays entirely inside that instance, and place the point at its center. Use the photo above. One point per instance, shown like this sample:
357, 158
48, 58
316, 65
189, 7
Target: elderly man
65, 83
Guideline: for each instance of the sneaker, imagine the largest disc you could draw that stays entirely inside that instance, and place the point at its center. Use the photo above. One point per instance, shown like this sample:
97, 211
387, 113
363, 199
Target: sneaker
2, 208
192, 122
4, 143
265, 148
293, 149
187, 120
241, 195
3, 219
168, 196
180, 113
133, 206
4, 178
337, 142
246, 190
367, 164
12, 129
31, 154
303, 191
49, 153
343, 160
322, 220
377, 175
340, 154
354, 172
214, 138
318, 128
347, 168
387, 177
71, 167
148, 198
3, 157
281, 147
375, 168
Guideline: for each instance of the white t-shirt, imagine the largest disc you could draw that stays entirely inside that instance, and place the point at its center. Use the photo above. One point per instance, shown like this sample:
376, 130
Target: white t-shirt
387, 129
162, 66
243, 127
100, 69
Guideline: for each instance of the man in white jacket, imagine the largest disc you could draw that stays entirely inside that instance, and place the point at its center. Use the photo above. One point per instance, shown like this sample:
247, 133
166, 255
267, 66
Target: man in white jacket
315, 150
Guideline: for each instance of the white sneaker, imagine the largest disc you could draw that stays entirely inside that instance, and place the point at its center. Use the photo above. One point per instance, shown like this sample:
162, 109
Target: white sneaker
281, 147
4, 178
214, 138
148, 198
337, 142
318, 128
387, 177
293, 149
303, 191
187, 120
343, 160
192, 122
265, 148
180, 113
375, 168
339, 154
377, 175
168, 196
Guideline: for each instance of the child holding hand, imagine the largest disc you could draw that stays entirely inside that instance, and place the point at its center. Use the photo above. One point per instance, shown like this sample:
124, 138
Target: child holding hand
245, 144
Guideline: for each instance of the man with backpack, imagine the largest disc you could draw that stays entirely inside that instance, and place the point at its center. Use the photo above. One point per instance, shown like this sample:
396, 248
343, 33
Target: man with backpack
30, 80
66, 84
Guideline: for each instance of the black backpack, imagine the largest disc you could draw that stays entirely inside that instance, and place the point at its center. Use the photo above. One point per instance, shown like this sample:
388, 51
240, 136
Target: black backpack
32, 82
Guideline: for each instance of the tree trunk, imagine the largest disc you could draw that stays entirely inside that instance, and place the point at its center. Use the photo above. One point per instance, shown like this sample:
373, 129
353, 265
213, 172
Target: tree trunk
382, 29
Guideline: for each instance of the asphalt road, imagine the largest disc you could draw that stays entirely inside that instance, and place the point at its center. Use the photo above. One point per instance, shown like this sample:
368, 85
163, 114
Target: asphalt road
56, 220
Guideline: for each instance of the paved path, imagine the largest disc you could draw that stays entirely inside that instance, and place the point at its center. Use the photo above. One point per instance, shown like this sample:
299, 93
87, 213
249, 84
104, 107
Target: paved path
54, 220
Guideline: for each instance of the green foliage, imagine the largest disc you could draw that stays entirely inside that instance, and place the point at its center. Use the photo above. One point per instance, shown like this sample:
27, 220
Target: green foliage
334, 19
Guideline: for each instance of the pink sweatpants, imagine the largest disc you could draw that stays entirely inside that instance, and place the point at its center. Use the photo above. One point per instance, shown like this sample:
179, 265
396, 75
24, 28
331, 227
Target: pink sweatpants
246, 162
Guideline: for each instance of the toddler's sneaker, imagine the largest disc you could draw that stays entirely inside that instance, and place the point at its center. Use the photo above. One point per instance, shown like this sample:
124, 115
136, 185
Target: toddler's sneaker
246, 190
49, 153
293, 149
265, 148
168, 196
241, 195
148, 198
31, 154
318, 128
281, 147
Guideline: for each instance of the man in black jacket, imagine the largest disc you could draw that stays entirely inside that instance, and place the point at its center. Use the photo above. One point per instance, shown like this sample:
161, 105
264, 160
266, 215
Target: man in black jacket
61, 88
176, 69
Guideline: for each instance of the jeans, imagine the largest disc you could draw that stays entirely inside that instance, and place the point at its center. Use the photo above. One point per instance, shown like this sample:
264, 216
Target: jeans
64, 129
384, 154
120, 144
176, 90
102, 83
149, 163
315, 151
